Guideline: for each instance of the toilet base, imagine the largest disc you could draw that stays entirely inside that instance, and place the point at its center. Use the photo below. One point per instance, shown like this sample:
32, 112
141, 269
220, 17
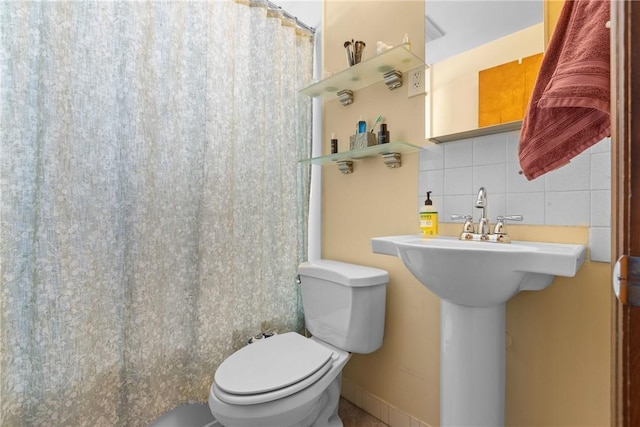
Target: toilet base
329, 415
319, 412
195, 415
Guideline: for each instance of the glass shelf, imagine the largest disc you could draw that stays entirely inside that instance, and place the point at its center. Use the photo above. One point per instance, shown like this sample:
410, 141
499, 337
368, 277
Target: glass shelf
361, 153
364, 74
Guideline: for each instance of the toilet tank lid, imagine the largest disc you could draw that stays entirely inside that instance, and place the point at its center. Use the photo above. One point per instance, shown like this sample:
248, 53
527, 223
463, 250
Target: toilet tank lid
344, 273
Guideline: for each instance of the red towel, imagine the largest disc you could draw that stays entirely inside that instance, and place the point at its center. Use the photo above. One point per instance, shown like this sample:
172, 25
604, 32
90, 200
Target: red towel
569, 107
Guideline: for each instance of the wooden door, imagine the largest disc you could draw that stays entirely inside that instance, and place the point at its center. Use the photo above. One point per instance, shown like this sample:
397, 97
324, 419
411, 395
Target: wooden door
625, 106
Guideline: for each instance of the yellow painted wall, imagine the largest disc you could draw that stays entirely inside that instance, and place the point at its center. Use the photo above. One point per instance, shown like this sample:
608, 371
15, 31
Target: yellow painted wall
552, 10
559, 358
375, 201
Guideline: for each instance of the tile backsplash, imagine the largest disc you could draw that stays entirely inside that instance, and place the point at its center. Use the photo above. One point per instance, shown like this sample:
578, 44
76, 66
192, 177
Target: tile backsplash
578, 194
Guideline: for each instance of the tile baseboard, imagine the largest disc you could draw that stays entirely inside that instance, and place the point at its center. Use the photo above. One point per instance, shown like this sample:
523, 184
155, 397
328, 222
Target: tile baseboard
377, 407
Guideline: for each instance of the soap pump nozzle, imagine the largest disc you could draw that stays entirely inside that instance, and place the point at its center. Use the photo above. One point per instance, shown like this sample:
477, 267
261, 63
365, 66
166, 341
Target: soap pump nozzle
428, 202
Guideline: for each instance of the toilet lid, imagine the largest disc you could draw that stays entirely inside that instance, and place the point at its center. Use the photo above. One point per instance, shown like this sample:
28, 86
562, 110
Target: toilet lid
271, 364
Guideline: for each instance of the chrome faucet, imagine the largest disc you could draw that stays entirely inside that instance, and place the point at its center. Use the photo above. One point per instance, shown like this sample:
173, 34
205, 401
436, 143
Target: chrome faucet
483, 232
481, 203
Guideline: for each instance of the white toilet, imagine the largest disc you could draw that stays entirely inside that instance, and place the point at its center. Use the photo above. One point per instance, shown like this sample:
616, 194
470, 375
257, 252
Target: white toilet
289, 380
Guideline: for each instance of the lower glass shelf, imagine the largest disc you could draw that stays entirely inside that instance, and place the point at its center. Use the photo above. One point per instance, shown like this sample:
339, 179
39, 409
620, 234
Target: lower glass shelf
361, 153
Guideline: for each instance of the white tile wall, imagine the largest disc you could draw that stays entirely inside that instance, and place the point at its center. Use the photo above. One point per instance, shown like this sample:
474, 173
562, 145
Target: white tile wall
458, 155
490, 149
567, 208
578, 194
601, 171
574, 176
601, 208
600, 243
458, 181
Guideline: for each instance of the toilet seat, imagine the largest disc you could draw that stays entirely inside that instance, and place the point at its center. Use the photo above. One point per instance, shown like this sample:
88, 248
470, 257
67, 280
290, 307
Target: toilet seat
271, 369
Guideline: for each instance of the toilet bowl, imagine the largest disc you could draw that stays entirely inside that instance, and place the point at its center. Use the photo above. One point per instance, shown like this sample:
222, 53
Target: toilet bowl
291, 380
295, 404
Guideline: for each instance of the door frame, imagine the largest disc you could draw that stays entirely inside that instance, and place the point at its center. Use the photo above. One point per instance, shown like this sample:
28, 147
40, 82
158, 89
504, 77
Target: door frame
625, 132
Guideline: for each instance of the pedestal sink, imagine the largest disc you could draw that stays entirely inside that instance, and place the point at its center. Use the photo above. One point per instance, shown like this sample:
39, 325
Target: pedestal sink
474, 281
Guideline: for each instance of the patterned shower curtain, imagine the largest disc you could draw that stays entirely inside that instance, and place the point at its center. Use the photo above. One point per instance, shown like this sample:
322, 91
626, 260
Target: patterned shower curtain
152, 211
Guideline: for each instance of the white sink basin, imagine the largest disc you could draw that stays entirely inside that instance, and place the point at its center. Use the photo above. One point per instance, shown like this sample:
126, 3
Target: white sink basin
481, 274
474, 281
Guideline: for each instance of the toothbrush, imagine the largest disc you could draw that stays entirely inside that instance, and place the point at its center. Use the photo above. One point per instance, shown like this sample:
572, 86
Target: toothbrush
376, 123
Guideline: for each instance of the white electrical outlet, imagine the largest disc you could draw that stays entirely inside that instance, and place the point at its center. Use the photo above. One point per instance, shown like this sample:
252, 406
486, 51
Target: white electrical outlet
417, 81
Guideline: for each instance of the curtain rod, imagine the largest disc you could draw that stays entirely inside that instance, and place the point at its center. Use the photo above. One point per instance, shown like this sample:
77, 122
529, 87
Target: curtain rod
287, 15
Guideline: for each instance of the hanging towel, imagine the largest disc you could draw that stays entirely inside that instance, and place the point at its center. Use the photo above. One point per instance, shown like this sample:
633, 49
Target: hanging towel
569, 107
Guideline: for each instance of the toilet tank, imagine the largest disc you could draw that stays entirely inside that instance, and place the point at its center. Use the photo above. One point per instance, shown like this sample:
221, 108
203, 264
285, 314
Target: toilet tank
344, 304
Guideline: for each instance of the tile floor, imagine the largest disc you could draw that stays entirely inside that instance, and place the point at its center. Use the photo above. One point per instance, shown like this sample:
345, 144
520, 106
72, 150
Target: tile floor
352, 416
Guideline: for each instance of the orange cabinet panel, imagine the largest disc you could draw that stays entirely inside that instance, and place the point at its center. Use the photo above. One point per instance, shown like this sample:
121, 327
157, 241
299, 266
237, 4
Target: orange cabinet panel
504, 90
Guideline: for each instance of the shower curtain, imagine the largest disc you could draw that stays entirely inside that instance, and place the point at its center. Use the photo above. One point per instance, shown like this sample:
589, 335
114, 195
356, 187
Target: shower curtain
152, 210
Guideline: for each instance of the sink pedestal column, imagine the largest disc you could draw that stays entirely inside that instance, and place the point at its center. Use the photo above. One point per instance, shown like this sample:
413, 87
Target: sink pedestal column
472, 365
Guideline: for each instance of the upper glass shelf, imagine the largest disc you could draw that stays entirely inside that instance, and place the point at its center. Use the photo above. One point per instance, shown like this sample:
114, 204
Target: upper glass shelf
361, 153
365, 73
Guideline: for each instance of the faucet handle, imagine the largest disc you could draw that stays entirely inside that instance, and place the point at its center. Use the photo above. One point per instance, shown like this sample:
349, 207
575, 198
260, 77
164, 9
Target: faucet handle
460, 216
500, 227
511, 218
468, 222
